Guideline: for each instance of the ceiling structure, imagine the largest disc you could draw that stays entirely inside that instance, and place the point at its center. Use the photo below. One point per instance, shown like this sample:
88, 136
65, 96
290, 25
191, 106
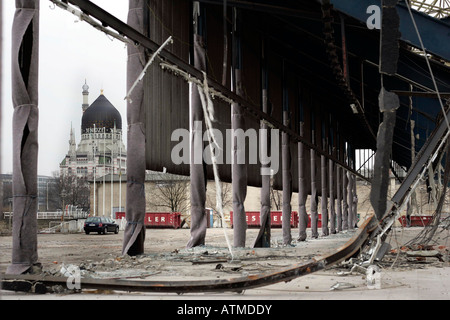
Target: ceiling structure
436, 8
328, 57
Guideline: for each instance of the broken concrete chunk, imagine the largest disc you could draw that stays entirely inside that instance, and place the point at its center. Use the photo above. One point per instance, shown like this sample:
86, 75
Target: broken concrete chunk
341, 286
425, 254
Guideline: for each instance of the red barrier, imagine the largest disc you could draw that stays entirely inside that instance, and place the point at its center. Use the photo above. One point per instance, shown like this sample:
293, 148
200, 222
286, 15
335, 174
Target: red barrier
158, 219
254, 221
416, 221
319, 222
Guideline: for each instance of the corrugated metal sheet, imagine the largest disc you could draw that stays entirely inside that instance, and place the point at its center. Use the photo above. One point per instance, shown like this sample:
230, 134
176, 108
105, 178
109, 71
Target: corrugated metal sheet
166, 96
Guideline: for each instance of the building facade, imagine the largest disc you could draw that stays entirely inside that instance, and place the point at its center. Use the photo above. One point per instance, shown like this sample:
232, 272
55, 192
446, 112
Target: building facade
101, 150
48, 200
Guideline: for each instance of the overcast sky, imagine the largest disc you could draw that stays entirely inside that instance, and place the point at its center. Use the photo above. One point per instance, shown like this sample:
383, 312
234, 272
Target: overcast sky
70, 52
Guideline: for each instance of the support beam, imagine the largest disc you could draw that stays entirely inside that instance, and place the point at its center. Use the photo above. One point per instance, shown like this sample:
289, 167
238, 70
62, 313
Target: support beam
239, 169
197, 164
314, 197
264, 235
389, 103
134, 234
344, 200
324, 198
25, 122
287, 184
338, 198
351, 213
302, 214
331, 199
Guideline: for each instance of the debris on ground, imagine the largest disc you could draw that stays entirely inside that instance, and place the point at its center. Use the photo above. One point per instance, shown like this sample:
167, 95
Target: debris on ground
342, 285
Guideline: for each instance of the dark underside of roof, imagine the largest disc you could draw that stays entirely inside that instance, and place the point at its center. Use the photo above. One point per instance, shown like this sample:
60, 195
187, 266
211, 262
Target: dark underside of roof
305, 59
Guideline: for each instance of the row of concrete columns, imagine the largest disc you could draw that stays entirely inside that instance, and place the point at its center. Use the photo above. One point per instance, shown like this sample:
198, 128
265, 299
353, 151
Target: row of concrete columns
335, 218
338, 211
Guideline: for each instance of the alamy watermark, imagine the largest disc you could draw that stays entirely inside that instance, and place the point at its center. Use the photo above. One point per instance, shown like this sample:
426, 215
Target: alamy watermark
73, 275
374, 20
373, 277
229, 149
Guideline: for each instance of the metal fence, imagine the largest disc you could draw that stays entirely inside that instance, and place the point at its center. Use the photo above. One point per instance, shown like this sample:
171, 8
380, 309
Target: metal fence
57, 215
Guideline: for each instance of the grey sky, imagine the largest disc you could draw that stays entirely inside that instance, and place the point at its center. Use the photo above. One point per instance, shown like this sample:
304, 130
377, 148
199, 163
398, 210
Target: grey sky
70, 52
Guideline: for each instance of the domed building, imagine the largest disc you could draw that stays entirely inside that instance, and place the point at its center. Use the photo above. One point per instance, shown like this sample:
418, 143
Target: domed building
101, 150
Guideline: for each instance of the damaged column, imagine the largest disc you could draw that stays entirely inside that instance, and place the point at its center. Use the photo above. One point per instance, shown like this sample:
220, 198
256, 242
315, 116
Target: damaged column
338, 199
344, 199
350, 200
286, 167
388, 104
238, 167
287, 184
24, 69
134, 234
331, 199
323, 183
264, 235
197, 164
314, 197
302, 214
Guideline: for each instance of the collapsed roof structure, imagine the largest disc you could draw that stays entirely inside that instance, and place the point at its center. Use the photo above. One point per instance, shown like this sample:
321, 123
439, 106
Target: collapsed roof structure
333, 76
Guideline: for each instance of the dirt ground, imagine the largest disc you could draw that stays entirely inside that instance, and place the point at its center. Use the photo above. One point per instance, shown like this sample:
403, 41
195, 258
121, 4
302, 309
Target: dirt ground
166, 258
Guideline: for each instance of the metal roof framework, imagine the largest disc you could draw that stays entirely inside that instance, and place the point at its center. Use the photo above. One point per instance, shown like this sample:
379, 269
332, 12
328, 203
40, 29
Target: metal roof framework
296, 23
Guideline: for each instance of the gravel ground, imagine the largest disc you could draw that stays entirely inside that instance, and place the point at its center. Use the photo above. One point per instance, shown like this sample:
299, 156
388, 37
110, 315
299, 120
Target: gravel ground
166, 258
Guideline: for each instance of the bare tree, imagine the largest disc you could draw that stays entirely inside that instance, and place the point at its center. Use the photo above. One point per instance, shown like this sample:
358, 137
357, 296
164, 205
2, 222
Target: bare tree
227, 199
73, 190
170, 192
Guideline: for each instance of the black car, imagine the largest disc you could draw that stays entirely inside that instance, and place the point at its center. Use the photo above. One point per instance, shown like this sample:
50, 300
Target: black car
100, 225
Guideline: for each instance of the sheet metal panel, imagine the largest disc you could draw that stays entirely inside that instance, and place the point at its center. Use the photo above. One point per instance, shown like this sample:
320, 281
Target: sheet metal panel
166, 96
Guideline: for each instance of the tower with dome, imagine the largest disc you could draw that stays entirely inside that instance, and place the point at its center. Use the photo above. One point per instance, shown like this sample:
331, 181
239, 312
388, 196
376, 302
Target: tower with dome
101, 150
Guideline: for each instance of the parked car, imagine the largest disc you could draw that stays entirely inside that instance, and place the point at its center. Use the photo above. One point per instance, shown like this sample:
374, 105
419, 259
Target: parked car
100, 225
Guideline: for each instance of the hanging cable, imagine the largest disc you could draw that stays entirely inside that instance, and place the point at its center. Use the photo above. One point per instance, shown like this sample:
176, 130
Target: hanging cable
208, 115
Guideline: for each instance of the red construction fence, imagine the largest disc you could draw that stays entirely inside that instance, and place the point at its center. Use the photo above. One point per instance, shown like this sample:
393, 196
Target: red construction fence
416, 221
254, 221
158, 219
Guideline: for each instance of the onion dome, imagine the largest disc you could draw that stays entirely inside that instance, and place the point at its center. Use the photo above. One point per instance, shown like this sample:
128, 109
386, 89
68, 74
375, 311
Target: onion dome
102, 114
